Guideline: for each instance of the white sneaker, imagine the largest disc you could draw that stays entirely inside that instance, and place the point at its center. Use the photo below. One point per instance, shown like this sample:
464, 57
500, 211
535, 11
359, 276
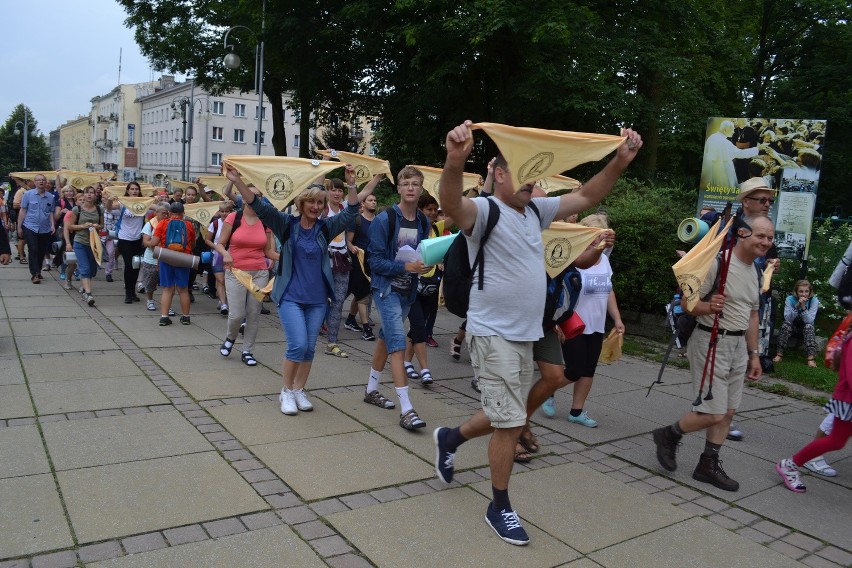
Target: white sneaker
302, 401
288, 402
819, 466
152, 306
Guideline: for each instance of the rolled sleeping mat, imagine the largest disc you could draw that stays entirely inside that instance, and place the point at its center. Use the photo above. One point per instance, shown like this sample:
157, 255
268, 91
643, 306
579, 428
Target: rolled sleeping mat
433, 250
176, 258
691, 230
70, 257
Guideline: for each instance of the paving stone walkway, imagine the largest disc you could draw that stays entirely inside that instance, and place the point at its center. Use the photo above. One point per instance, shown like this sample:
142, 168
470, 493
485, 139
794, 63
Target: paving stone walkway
124, 444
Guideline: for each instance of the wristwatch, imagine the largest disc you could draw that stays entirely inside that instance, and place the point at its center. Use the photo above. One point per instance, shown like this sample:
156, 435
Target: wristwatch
753, 352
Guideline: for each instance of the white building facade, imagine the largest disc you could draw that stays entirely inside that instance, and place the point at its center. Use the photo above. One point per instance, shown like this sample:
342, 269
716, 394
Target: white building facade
215, 126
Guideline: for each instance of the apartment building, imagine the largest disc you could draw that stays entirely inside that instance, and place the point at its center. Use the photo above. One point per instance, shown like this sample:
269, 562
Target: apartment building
185, 131
75, 144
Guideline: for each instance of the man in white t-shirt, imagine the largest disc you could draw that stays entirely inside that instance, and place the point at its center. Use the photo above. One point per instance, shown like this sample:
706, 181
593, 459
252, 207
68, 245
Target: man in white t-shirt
504, 318
149, 271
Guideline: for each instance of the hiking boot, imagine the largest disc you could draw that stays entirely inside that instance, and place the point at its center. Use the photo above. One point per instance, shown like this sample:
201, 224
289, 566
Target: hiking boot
367, 334
666, 447
709, 470
352, 325
444, 459
507, 525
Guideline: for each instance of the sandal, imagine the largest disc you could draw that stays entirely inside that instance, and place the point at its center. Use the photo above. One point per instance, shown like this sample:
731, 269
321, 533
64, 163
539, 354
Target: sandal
777, 358
426, 378
249, 359
411, 373
225, 350
455, 349
812, 363
522, 455
333, 349
528, 441
376, 398
410, 420
24, 261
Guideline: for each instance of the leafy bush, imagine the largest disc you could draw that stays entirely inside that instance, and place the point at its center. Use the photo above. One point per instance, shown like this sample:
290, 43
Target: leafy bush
645, 219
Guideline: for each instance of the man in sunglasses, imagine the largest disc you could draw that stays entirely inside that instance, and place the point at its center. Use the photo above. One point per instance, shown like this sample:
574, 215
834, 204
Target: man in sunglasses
758, 199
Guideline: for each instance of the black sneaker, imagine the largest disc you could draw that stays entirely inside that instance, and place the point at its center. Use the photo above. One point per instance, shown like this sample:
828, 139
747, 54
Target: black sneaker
367, 334
444, 459
507, 525
184, 320
709, 470
352, 325
108, 278
666, 448
165, 320
264, 310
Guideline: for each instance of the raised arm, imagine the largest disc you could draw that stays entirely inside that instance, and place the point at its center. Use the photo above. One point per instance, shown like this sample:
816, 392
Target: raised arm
593, 191
370, 187
461, 209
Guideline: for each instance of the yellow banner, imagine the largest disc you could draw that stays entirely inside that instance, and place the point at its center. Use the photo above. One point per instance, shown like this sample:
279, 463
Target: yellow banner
247, 280
281, 179
535, 153
138, 206
432, 177
365, 166
80, 180
557, 183
563, 243
203, 212
691, 270
767, 277
179, 184
31, 175
97, 246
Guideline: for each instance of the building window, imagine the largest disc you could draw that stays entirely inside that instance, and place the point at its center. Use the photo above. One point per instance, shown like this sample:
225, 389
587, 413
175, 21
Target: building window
239, 109
262, 137
374, 124
262, 112
218, 107
216, 159
218, 133
297, 141
297, 116
374, 148
239, 135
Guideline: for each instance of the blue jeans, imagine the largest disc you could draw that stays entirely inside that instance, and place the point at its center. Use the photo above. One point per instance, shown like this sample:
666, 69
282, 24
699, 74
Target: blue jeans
85, 260
393, 309
301, 323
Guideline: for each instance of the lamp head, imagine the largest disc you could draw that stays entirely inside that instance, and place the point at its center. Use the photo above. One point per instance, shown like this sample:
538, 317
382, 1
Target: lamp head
17, 131
231, 60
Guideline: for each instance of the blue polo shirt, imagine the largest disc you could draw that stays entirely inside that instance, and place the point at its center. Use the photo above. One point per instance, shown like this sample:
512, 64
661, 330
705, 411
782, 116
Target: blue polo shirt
40, 209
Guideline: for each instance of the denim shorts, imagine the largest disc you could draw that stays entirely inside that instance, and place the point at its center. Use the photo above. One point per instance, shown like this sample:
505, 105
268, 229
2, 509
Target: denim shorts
393, 310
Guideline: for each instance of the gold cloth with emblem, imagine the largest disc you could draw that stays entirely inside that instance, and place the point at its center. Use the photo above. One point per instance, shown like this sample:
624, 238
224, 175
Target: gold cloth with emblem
365, 166
279, 178
535, 153
247, 281
557, 183
97, 245
432, 178
79, 180
138, 206
691, 270
564, 242
203, 212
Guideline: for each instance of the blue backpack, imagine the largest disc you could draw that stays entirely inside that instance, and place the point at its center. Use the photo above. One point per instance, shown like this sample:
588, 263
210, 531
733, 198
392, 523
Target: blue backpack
176, 238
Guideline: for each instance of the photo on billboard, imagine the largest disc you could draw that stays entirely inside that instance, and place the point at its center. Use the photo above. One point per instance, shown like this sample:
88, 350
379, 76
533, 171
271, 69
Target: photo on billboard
785, 152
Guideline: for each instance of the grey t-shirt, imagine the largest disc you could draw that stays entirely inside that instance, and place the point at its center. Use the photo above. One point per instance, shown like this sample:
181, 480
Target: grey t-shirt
511, 303
742, 294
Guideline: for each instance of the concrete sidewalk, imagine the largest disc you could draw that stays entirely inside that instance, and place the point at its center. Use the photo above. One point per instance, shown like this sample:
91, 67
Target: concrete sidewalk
127, 444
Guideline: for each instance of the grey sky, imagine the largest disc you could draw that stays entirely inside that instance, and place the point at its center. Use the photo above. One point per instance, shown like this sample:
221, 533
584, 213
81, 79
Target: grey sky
61, 53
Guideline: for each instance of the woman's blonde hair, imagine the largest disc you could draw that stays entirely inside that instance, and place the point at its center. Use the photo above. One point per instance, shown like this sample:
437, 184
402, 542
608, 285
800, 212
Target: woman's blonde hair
309, 195
599, 220
799, 284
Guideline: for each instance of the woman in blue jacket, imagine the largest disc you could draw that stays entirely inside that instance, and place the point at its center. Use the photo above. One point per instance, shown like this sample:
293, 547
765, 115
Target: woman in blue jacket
303, 284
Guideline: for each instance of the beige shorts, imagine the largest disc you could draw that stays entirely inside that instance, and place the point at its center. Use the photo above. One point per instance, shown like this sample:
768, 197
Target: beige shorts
729, 373
505, 377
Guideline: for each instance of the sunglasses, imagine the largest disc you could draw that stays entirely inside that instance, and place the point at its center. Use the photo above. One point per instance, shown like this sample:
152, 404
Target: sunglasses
762, 200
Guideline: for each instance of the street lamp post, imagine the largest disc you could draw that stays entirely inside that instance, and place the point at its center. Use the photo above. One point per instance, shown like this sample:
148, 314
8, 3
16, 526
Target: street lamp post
181, 103
26, 130
232, 61
204, 115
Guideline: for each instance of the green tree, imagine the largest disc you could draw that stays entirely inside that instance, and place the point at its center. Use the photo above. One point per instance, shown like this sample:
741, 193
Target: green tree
302, 46
12, 147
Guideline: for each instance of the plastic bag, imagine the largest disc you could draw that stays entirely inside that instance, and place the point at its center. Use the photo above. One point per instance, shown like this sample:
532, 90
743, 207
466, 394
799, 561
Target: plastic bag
611, 348
836, 342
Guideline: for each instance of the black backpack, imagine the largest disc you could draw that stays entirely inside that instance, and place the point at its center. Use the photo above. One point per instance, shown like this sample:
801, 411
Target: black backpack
458, 272
563, 293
